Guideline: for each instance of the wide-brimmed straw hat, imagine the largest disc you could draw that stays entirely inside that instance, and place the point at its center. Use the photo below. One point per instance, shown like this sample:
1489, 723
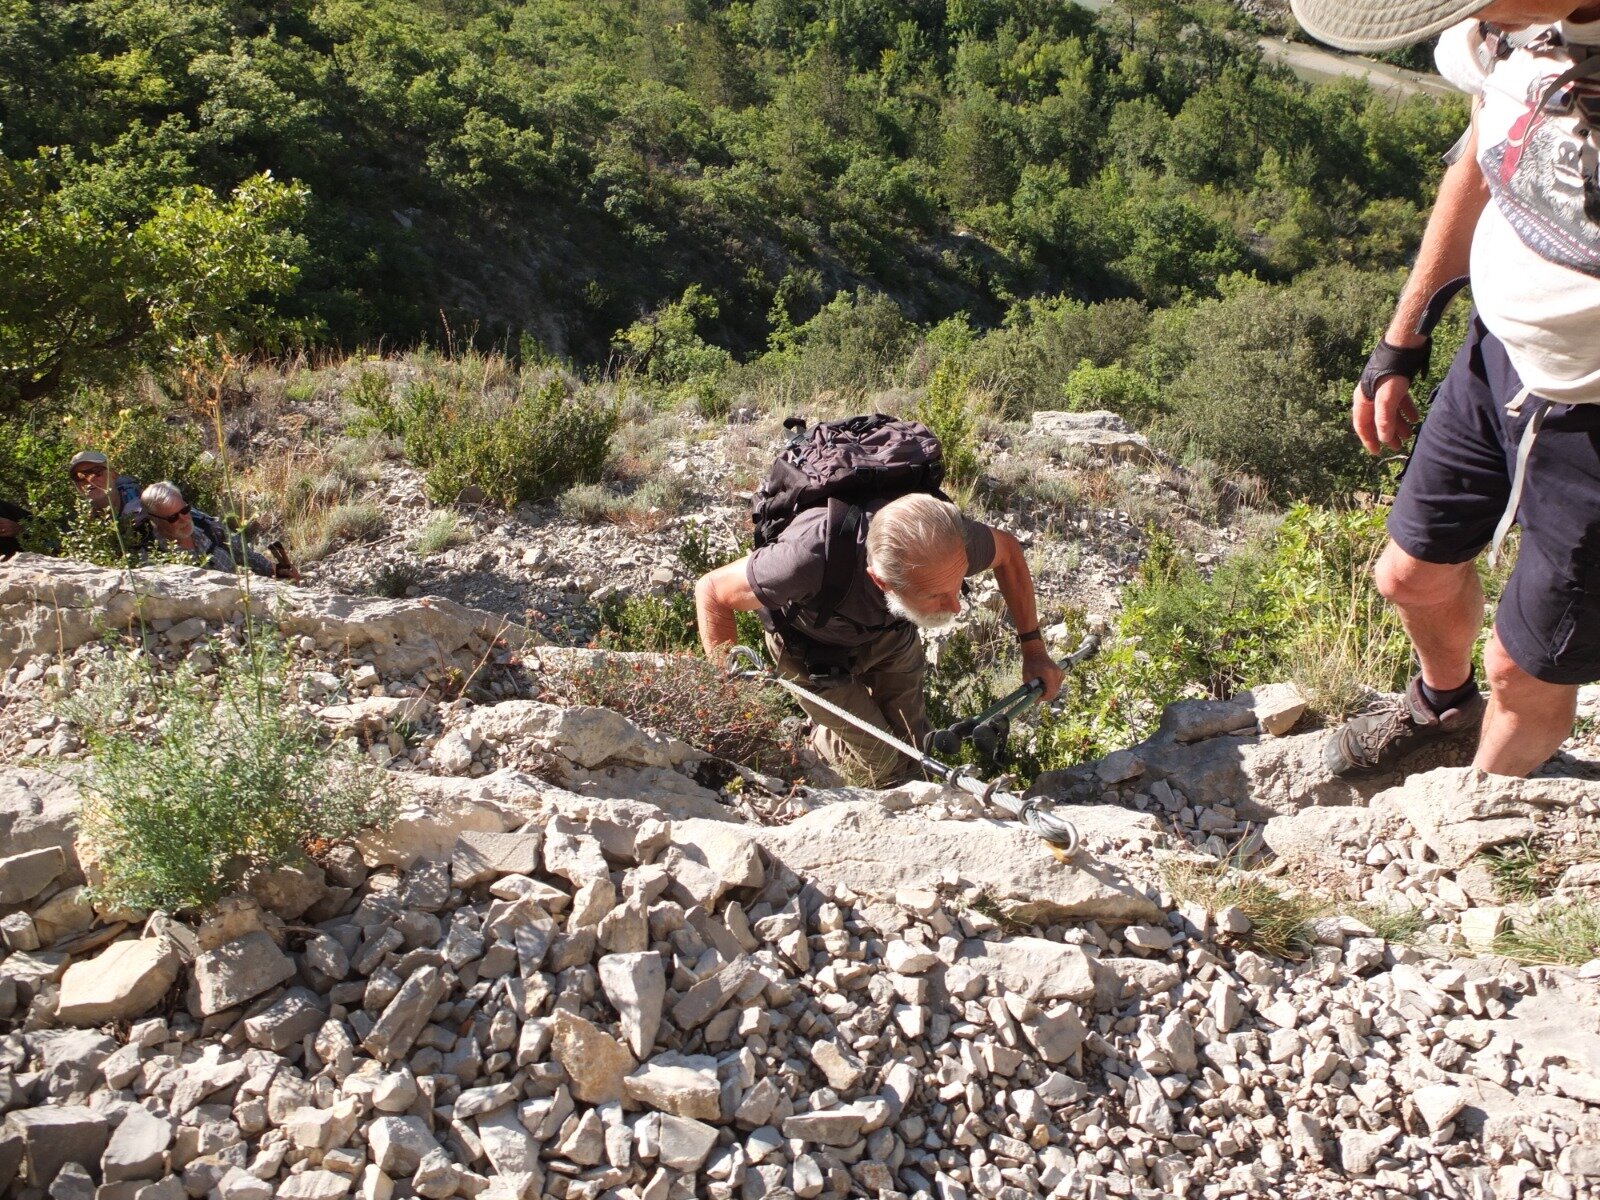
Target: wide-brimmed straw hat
1380, 24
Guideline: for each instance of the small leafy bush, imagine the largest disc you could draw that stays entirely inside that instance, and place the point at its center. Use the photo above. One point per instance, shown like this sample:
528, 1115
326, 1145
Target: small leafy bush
1116, 388
528, 447
669, 623
197, 778
648, 506
946, 410
394, 581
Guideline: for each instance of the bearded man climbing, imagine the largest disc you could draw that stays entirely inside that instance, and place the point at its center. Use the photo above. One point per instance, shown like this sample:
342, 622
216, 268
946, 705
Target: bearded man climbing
1513, 434
844, 588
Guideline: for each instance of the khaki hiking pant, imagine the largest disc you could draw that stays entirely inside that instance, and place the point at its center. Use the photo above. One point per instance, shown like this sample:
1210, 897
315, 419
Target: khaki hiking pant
886, 690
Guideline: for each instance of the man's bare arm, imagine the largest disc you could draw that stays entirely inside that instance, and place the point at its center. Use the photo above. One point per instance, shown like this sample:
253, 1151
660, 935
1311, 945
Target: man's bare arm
718, 596
1445, 255
1016, 588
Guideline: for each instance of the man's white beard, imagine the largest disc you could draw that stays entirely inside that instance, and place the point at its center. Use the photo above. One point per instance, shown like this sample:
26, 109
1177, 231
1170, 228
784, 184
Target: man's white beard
934, 621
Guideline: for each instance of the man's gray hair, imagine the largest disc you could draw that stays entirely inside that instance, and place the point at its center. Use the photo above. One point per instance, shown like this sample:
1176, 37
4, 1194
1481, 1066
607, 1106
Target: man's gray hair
163, 495
913, 532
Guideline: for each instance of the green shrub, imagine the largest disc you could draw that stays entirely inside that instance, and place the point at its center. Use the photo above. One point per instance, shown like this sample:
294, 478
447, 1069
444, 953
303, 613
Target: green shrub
1260, 379
93, 295
666, 347
658, 623
197, 778
442, 532
146, 436
650, 505
668, 623
1298, 605
394, 581
946, 409
527, 447
1116, 388
855, 345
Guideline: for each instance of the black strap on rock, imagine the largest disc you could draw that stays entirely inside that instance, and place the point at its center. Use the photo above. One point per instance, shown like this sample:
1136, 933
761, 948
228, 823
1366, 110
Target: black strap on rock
1409, 361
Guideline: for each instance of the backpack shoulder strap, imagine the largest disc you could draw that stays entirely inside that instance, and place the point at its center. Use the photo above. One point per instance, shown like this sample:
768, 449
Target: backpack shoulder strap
839, 565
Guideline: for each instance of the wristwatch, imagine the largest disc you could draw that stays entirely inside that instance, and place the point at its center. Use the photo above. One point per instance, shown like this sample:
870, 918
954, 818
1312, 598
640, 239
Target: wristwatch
1033, 635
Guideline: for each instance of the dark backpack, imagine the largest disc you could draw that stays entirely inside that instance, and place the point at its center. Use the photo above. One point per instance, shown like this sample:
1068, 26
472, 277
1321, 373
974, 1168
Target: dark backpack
845, 465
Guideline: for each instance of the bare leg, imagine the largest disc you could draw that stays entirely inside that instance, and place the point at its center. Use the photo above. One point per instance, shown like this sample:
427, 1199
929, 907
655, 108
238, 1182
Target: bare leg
1441, 606
1527, 719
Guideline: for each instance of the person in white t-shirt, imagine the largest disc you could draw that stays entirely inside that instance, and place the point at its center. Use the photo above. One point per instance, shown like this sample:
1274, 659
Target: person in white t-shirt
1513, 433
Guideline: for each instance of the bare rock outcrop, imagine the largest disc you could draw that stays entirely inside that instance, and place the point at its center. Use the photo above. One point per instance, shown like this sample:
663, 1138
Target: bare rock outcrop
50, 606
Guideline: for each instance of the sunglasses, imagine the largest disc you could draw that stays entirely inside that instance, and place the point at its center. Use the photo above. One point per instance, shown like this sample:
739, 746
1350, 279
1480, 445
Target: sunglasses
89, 473
168, 520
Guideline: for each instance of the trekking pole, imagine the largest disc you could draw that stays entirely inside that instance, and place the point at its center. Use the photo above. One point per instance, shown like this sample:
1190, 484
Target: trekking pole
1037, 813
990, 728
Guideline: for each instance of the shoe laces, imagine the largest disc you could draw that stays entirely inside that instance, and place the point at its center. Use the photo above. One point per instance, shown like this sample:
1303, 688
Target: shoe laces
1385, 721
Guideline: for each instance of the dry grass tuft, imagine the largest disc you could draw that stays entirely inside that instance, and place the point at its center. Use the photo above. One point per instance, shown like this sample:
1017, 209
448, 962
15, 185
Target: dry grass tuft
1278, 920
1567, 934
307, 498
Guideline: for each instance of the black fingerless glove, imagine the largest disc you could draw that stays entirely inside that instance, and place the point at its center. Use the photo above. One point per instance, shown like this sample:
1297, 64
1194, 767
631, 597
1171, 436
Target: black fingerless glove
1387, 360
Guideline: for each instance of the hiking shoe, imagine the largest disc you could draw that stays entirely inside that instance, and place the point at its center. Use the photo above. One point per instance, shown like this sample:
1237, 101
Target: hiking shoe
1378, 741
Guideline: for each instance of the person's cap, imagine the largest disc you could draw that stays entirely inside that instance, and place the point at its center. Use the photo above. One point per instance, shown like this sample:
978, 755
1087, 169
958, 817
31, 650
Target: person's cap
87, 458
13, 512
1380, 24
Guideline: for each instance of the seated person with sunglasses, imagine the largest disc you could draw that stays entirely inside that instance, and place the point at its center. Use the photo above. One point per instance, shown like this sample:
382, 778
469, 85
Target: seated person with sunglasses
180, 527
107, 492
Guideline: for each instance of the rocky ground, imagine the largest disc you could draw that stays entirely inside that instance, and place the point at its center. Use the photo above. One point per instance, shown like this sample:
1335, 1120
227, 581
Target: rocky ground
580, 966
1077, 489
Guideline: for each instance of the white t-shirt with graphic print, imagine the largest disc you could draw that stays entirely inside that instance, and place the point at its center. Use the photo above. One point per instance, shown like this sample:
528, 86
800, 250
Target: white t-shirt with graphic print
1535, 254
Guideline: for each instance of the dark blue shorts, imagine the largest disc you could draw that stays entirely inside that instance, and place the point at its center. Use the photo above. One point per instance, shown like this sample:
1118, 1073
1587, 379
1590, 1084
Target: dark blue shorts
1456, 487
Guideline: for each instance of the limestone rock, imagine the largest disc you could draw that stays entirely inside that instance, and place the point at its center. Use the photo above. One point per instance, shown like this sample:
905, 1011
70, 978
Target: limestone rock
636, 986
51, 605
481, 856
1100, 432
23, 876
1316, 834
239, 970
685, 1086
1460, 812
56, 1134
428, 826
685, 1143
399, 1144
138, 1148
861, 846
513, 1152
1438, 1104
403, 1018
1359, 1150
1277, 706
124, 981
706, 859
38, 811
595, 1062
586, 737
1035, 967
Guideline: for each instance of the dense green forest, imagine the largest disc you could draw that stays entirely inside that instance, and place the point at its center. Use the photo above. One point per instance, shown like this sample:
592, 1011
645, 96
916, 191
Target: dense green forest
544, 173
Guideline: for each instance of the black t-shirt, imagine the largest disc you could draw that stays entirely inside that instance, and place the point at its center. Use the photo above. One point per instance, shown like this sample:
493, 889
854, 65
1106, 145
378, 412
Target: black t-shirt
790, 571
